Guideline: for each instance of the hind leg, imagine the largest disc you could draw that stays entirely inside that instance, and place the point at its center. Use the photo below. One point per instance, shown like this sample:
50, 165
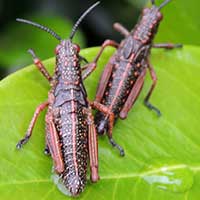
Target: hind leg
52, 142
111, 119
92, 146
135, 91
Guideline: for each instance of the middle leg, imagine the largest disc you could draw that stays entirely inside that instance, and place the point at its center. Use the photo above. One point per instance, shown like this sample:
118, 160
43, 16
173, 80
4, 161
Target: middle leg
167, 45
89, 68
120, 28
38, 110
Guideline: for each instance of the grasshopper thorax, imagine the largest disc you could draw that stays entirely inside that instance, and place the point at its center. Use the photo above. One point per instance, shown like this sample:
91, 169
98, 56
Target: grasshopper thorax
67, 61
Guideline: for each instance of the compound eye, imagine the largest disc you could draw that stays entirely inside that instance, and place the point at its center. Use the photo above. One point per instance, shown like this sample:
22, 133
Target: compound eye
77, 47
159, 15
57, 49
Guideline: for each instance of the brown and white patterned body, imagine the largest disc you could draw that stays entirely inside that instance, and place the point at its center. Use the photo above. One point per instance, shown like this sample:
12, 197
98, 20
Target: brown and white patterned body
70, 131
123, 76
126, 70
71, 137
67, 104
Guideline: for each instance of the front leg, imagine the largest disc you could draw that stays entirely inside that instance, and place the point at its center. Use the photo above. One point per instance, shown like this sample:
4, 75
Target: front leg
40, 66
120, 28
167, 45
89, 68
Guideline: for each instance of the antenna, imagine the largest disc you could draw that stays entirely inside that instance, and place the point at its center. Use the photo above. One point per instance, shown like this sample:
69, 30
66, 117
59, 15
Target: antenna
153, 2
74, 29
163, 4
48, 30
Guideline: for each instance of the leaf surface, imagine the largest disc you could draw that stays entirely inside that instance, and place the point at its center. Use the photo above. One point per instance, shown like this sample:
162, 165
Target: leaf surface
162, 154
180, 23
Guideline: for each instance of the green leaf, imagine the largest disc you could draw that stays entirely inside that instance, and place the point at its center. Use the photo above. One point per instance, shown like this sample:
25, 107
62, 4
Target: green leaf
162, 158
180, 23
18, 38
137, 3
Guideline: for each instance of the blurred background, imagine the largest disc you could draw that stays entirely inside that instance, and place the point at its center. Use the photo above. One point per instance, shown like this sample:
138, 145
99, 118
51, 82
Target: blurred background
16, 38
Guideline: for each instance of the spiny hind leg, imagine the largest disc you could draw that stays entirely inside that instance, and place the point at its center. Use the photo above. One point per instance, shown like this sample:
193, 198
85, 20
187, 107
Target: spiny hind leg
92, 146
135, 91
52, 141
105, 76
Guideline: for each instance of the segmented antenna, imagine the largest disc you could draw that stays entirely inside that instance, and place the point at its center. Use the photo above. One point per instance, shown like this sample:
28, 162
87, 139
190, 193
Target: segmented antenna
74, 29
153, 2
163, 4
48, 30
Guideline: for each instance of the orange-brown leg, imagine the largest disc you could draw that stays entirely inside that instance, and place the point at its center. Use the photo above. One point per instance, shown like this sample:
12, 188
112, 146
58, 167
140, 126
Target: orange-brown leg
167, 45
89, 68
120, 28
93, 146
52, 141
146, 100
40, 66
111, 117
133, 95
38, 110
